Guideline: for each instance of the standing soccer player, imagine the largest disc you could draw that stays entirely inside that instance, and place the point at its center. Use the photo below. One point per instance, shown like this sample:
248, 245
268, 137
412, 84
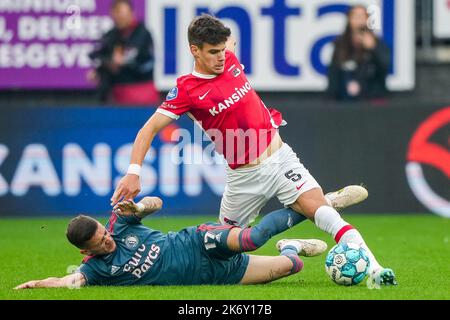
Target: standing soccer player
219, 98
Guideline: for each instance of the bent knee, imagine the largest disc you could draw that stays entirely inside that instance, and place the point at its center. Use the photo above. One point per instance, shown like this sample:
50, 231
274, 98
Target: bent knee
309, 205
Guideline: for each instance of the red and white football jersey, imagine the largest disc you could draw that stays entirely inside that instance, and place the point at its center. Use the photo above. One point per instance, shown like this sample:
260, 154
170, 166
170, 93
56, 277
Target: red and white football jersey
228, 109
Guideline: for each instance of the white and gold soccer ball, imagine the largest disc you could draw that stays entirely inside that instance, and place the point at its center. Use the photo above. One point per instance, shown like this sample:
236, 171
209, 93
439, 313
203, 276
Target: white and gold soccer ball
347, 264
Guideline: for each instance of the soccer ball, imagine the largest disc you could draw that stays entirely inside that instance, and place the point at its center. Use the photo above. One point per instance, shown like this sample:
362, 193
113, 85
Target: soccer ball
347, 264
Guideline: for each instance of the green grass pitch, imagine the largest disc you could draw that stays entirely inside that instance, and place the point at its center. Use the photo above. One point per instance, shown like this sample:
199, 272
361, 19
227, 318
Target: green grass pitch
416, 247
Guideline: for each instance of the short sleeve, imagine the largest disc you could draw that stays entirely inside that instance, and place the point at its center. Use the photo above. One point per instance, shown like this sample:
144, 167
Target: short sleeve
177, 103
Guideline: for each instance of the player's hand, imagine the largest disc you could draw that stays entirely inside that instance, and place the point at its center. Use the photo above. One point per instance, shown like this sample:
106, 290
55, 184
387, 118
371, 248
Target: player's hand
128, 188
126, 208
27, 285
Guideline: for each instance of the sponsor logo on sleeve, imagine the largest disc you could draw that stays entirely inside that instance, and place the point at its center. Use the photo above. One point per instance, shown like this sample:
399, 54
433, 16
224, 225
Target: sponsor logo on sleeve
236, 72
173, 93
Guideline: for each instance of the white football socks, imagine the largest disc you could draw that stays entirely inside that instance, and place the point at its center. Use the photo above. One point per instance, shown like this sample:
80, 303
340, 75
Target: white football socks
297, 245
354, 236
328, 219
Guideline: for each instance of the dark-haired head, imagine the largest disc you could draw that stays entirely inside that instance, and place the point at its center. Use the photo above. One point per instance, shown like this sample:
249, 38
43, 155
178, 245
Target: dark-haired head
207, 29
208, 37
80, 230
90, 236
357, 18
346, 49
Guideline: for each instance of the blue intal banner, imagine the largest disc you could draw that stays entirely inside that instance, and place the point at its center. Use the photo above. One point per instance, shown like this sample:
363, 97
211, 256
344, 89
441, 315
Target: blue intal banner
64, 161
284, 45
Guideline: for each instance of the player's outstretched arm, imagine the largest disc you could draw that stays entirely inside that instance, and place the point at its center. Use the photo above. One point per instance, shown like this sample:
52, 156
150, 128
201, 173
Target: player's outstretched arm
74, 280
129, 186
143, 208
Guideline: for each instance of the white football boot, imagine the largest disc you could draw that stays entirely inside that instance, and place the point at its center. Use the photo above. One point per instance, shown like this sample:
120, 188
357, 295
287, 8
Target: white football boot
347, 196
305, 247
383, 276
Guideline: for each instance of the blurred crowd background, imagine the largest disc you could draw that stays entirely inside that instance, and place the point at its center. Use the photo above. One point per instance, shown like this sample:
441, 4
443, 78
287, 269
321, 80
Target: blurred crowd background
355, 81
431, 52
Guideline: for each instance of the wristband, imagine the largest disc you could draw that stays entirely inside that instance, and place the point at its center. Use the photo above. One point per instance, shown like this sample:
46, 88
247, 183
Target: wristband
140, 211
140, 207
134, 169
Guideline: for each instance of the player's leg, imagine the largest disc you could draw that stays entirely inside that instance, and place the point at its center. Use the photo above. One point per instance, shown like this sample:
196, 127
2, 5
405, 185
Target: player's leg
252, 238
225, 240
248, 190
263, 269
313, 205
299, 190
244, 197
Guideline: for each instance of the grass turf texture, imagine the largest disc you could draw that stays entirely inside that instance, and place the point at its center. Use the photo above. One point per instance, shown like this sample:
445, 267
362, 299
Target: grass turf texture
416, 247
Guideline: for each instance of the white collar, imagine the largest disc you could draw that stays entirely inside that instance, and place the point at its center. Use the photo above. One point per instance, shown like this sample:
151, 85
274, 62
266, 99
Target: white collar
203, 76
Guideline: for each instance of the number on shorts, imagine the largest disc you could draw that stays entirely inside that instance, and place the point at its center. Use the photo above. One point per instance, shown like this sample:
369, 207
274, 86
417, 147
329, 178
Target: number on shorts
291, 175
210, 240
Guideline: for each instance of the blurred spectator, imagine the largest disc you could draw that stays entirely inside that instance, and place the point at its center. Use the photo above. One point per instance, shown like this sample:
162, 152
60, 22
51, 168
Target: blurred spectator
124, 60
360, 61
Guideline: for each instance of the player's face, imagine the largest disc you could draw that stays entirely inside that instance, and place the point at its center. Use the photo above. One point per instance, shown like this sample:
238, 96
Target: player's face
101, 243
210, 59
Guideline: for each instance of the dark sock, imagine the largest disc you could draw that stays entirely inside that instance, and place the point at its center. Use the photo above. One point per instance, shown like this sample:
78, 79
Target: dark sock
291, 253
272, 224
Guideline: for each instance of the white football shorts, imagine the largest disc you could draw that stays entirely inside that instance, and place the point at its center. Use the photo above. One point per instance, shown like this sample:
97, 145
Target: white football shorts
248, 189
